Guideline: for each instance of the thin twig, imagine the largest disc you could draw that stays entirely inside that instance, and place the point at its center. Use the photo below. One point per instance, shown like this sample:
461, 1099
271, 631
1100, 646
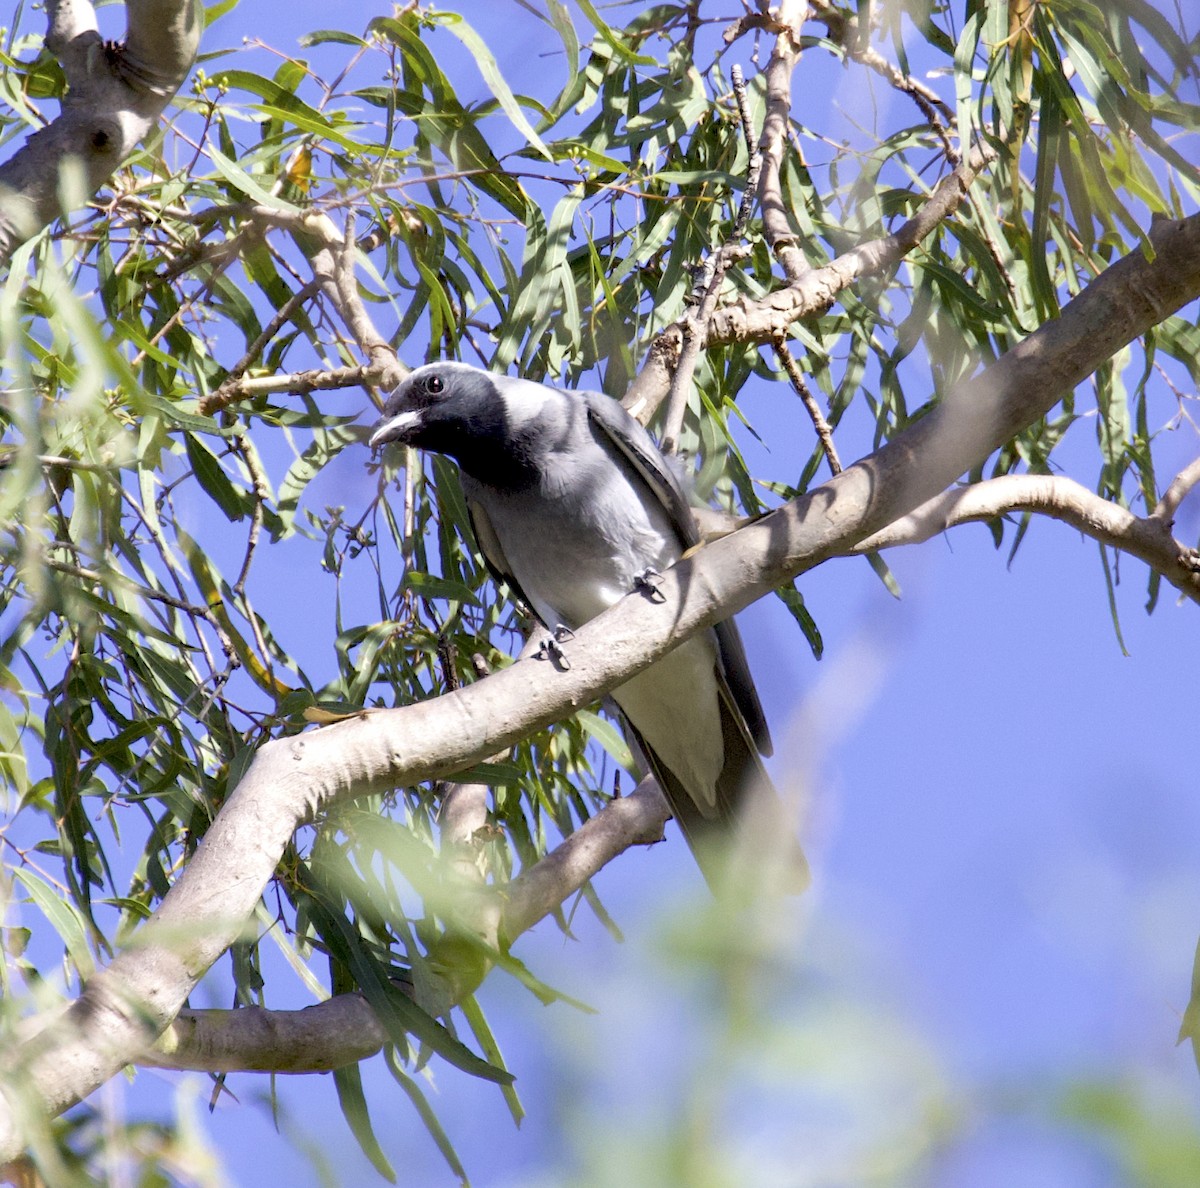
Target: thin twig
301, 383
224, 395
754, 166
711, 276
847, 32
262, 493
93, 575
820, 424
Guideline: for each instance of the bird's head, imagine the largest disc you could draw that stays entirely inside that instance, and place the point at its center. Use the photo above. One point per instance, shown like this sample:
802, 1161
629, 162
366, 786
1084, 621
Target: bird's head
443, 407
494, 427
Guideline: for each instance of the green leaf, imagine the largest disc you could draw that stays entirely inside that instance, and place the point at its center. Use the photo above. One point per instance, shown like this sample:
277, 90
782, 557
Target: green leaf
241, 181
427, 1116
328, 442
351, 1098
885, 575
214, 480
608, 736
1111, 589
794, 601
478, 1023
1189, 1028
397, 1012
455, 24
63, 916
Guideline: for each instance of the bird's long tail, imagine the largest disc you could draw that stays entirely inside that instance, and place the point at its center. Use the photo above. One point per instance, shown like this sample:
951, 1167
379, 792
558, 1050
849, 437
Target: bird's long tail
748, 845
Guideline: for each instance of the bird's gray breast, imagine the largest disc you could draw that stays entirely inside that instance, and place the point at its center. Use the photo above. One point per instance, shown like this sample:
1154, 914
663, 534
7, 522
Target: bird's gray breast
576, 540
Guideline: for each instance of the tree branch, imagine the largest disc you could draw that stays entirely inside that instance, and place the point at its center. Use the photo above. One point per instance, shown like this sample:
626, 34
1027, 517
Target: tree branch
774, 142
345, 1029
764, 319
1148, 539
300, 383
809, 291
332, 254
760, 320
333, 258
229, 387
115, 96
1177, 492
341, 1030
801, 388
125, 1006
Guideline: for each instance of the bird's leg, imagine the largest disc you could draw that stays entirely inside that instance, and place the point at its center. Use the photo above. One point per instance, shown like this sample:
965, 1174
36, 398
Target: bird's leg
647, 582
551, 649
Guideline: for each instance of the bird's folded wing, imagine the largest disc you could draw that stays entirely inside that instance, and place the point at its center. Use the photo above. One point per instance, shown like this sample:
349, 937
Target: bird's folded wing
634, 444
493, 552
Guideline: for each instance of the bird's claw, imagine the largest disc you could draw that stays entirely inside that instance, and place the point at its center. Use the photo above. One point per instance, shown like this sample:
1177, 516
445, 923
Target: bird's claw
647, 582
551, 647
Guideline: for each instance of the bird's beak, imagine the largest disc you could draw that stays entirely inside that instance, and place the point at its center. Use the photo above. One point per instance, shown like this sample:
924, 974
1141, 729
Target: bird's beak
394, 428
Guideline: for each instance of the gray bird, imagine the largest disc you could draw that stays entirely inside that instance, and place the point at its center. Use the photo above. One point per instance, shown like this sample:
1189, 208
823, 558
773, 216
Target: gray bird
574, 507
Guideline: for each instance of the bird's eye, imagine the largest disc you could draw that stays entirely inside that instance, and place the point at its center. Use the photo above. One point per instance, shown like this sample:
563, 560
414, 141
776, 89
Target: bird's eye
434, 384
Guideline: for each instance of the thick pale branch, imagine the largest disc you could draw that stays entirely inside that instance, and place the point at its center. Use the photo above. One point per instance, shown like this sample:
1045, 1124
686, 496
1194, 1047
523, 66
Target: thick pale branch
344, 1029
633, 820
1148, 539
160, 45
1181, 485
774, 142
115, 96
127, 1005
71, 36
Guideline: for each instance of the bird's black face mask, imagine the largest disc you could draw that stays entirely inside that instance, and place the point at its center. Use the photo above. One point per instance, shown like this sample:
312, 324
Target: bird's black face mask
461, 415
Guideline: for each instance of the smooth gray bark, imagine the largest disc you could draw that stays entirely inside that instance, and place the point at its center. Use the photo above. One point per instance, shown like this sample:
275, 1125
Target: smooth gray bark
115, 94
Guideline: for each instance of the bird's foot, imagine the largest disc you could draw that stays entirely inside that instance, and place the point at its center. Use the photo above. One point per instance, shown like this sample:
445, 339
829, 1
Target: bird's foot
647, 582
551, 647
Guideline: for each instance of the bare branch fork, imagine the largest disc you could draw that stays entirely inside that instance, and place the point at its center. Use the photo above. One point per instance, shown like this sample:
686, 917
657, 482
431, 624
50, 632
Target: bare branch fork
332, 254
345, 1029
127, 1005
114, 98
